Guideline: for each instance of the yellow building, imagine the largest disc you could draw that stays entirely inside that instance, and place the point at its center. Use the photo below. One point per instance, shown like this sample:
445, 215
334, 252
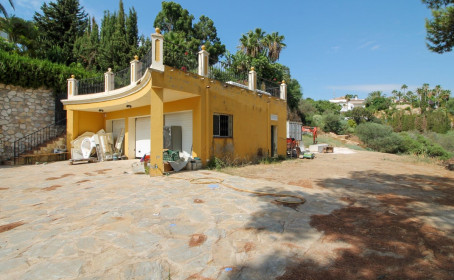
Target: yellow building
217, 119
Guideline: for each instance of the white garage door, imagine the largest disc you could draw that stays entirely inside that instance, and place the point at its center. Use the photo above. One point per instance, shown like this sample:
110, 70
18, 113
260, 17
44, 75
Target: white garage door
143, 128
183, 119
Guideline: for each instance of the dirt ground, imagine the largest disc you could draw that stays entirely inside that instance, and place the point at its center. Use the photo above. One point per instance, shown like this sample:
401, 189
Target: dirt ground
397, 222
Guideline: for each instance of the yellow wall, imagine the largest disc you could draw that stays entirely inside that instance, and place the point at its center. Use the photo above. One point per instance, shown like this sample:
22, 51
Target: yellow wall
251, 123
79, 122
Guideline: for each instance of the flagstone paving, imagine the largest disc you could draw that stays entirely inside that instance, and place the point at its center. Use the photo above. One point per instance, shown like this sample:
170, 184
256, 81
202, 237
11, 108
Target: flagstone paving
101, 221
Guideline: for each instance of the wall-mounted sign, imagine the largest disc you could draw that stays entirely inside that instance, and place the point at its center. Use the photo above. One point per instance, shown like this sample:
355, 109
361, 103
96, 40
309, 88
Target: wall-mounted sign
274, 117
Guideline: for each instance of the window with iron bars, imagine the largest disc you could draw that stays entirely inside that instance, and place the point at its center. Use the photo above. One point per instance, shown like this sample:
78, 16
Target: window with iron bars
222, 125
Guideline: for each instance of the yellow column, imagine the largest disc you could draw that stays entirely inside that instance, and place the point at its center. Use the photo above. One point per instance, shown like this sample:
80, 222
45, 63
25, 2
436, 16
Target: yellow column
72, 127
156, 137
208, 132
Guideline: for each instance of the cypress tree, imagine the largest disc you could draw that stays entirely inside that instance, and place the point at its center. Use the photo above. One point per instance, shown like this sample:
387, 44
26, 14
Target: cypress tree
132, 32
121, 47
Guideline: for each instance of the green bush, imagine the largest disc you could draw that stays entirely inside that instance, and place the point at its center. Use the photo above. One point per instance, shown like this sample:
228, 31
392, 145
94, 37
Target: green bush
317, 120
388, 144
34, 73
332, 123
445, 140
370, 131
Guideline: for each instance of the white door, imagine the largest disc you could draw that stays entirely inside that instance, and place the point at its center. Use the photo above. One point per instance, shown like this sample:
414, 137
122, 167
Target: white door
183, 119
143, 144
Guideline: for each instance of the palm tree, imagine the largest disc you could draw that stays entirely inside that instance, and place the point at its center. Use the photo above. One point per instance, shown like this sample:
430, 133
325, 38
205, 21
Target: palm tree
3, 10
274, 43
252, 42
395, 93
404, 88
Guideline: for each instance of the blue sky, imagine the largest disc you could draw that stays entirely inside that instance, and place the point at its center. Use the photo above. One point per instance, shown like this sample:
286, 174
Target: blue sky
333, 47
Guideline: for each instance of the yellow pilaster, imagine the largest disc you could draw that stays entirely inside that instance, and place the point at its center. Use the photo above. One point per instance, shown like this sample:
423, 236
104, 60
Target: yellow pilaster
208, 130
72, 127
156, 137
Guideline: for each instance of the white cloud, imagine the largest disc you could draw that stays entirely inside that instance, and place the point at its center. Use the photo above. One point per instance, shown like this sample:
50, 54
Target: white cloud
374, 48
368, 43
369, 88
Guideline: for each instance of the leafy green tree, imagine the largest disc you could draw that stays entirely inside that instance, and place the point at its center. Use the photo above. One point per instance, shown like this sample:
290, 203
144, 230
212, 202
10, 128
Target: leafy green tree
360, 115
376, 101
173, 17
440, 29
294, 93
206, 33
60, 24
307, 109
332, 123
3, 10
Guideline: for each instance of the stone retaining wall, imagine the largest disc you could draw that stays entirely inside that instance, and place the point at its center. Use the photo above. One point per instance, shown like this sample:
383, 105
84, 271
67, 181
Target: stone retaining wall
23, 111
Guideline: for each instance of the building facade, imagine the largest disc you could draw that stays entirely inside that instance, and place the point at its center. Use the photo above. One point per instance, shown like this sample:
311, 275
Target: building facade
348, 104
218, 119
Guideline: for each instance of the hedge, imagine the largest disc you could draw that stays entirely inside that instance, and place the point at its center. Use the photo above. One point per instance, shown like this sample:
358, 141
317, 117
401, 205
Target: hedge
34, 73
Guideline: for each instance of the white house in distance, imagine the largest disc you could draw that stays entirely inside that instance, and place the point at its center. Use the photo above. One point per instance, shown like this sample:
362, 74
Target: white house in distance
348, 105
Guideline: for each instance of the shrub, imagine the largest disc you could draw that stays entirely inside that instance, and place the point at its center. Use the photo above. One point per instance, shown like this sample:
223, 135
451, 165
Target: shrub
34, 73
370, 131
411, 145
317, 120
332, 123
444, 140
388, 144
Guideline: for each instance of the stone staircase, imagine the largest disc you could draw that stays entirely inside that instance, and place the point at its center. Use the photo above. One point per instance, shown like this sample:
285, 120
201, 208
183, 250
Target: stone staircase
53, 150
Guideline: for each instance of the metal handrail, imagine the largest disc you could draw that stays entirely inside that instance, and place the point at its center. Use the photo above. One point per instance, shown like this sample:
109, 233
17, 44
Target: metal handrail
91, 85
37, 138
146, 61
271, 87
222, 71
122, 78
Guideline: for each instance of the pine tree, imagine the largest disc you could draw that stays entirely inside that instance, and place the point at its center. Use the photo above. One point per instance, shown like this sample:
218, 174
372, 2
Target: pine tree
60, 24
